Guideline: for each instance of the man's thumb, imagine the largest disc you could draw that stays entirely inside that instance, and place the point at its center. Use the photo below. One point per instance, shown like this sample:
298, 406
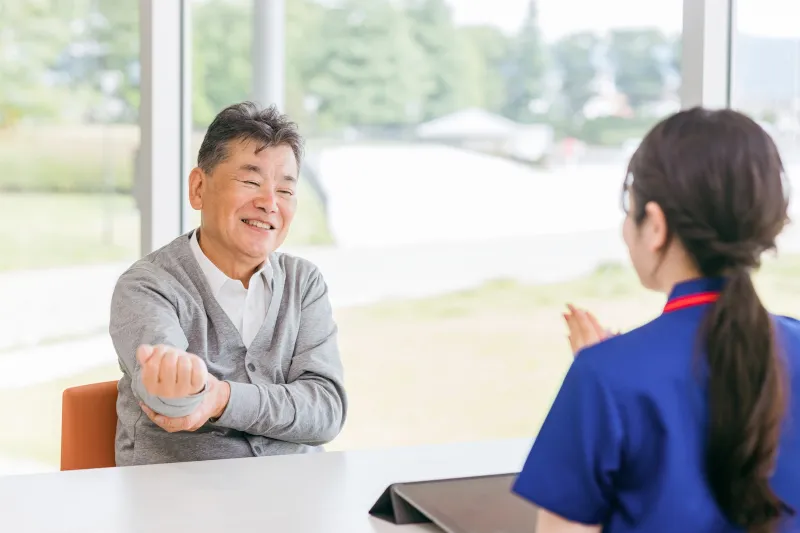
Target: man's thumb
143, 353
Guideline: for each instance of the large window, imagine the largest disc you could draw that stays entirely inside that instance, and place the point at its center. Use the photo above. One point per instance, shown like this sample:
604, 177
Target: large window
69, 222
461, 186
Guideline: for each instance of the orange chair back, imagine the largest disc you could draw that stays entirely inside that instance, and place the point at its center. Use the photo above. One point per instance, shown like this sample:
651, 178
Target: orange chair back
88, 426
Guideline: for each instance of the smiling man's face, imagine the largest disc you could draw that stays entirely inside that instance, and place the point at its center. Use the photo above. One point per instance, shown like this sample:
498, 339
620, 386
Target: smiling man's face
247, 202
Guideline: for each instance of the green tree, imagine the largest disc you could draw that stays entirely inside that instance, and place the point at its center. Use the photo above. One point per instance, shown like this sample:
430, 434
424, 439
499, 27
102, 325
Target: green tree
639, 69
433, 29
371, 71
304, 22
486, 50
676, 52
112, 35
221, 56
574, 57
527, 68
33, 36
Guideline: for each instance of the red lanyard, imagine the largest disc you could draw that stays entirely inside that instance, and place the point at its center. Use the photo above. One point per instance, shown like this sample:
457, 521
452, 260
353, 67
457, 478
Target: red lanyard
691, 300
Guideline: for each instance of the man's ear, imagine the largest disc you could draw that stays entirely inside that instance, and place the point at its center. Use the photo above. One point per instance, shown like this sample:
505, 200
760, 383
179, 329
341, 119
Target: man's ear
656, 227
197, 187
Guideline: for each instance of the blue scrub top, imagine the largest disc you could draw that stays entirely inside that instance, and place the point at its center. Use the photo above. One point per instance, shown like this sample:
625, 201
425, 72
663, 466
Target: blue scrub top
623, 444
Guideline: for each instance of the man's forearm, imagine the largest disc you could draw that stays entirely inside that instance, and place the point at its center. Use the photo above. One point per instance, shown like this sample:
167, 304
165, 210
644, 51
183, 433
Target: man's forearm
142, 313
308, 411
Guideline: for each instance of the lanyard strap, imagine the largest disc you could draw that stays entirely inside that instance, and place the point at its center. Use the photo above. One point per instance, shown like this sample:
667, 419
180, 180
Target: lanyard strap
691, 300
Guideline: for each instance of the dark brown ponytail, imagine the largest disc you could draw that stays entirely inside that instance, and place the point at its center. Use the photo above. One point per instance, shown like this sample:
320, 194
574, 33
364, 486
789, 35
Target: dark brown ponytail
747, 400
719, 180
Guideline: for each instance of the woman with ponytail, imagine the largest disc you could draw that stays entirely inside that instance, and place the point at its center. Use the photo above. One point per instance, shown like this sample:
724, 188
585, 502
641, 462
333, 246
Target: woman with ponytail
690, 422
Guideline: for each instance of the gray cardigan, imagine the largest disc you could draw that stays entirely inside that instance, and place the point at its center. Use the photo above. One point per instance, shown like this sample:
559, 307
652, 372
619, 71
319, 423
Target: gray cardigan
287, 392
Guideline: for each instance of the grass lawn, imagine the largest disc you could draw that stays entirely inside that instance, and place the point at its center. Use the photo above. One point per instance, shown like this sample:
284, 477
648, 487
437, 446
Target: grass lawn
477, 364
51, 229
47, 230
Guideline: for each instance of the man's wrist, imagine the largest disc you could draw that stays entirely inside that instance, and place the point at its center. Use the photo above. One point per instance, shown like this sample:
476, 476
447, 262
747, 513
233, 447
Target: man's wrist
223, 396
201, 390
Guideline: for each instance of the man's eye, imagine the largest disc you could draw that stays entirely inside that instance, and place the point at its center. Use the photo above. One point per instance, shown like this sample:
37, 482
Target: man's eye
287, 192
253, 183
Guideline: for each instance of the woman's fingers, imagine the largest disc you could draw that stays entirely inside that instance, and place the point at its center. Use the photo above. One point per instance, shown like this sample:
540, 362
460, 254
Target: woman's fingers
588, 332
575, 332
584, 328
599, 330
571, 336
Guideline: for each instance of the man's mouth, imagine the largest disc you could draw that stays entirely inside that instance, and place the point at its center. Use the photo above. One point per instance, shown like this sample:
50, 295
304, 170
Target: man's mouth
258, 224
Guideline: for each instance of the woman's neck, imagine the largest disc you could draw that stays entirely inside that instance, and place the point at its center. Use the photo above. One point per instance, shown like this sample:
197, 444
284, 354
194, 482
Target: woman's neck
676, 268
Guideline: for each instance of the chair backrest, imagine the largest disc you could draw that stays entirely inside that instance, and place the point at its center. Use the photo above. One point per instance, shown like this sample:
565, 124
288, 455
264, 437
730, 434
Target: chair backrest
88, 426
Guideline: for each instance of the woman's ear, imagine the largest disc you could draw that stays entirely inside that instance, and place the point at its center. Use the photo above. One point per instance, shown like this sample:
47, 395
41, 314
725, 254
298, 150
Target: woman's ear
655, 227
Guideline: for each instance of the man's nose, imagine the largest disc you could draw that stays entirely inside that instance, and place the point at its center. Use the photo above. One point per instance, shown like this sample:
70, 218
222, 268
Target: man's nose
266, 201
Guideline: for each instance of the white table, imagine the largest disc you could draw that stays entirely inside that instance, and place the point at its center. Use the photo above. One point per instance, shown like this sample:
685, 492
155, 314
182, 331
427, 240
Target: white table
318, 493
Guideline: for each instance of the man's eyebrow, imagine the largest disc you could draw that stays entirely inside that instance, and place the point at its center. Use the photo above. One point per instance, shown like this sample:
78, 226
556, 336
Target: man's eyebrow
249, 167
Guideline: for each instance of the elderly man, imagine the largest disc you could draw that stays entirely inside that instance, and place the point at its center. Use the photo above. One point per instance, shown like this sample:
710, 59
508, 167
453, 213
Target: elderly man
227, 347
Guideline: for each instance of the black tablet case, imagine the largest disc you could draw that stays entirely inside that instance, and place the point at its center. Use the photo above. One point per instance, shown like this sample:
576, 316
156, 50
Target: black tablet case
483, 504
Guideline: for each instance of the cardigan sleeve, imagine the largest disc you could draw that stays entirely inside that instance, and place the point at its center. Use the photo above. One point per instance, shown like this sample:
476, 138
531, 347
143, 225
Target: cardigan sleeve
142, 312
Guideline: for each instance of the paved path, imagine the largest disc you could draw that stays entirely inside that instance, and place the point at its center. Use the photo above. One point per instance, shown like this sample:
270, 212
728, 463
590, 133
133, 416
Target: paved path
48, 362
55, 303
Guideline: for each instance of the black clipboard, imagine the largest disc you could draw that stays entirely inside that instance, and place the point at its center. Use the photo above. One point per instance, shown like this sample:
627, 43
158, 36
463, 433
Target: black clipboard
483, 504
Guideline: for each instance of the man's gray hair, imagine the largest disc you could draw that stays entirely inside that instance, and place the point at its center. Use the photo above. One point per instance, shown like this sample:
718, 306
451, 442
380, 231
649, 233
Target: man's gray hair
247, 122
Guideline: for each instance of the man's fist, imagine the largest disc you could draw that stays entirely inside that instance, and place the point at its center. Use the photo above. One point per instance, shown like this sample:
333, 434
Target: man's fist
171, 373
